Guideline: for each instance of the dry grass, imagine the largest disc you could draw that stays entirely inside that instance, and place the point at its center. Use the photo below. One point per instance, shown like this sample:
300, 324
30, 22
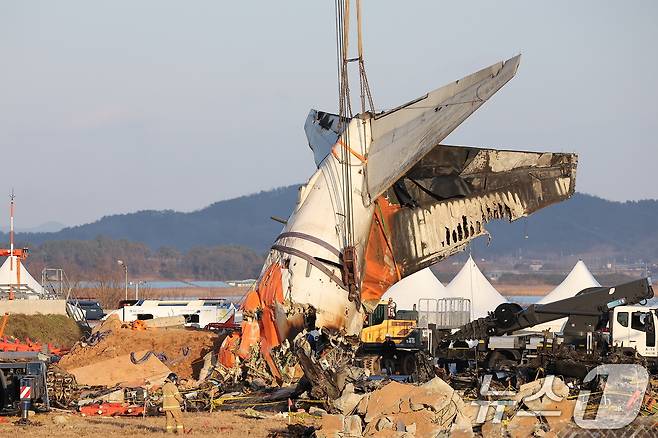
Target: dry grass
56, 329
204, 424
521, 289
214, 292
533, 289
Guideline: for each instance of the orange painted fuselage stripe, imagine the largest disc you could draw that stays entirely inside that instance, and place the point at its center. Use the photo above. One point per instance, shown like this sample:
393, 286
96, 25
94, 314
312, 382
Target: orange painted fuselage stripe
349, 149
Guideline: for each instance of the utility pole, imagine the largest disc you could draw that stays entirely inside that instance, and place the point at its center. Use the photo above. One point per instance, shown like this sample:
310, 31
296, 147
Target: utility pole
136, 284
11, 223
11, 244
125, 270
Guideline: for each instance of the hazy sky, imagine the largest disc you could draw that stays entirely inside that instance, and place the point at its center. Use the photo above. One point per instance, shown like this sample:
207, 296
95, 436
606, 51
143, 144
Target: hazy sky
115, 106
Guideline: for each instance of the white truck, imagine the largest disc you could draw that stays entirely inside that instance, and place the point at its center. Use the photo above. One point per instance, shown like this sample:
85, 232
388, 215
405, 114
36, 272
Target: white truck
604, 324
634, 328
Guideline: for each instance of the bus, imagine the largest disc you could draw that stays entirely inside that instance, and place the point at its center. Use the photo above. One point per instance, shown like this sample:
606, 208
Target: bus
203, 313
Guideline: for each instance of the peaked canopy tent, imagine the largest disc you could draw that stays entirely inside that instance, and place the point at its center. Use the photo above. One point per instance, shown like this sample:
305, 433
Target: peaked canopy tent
578, 279
14, 276
471, 283
422, 284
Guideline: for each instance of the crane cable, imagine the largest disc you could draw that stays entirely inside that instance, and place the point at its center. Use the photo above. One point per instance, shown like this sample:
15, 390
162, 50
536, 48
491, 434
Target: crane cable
363, 78
342, 8
345, 114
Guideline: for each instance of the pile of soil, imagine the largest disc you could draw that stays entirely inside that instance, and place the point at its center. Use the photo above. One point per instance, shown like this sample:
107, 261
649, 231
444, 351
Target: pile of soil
182, 350
58, 330
121, 371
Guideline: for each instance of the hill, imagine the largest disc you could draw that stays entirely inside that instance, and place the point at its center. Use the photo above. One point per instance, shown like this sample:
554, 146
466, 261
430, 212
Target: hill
243, 221
583, 225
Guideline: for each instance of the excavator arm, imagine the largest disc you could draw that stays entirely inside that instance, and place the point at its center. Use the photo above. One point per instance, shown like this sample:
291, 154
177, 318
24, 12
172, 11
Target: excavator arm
587, 311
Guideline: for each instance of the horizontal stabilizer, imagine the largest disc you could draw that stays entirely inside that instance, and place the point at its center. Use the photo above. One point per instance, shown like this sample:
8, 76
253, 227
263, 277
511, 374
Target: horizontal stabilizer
403, 136
446, 199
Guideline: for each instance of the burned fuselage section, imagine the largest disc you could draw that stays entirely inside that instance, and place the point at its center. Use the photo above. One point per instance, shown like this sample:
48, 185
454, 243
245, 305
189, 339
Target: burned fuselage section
387, 200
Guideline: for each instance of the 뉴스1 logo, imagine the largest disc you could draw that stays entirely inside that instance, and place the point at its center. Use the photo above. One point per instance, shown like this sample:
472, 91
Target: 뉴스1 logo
623, 390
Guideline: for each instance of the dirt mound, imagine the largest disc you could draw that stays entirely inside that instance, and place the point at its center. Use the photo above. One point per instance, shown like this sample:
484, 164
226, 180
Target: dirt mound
182, 350
58, 330
121, 370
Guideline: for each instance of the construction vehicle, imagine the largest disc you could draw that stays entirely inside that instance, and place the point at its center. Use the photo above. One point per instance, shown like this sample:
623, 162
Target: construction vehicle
27, 382
413, 331
604, 324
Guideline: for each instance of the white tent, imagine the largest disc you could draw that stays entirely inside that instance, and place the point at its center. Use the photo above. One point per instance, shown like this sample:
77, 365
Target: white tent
471, 283
21, 283
421, 284
578, 279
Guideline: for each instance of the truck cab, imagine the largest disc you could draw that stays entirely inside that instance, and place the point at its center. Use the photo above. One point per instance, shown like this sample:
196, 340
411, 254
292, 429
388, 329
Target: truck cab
634, 327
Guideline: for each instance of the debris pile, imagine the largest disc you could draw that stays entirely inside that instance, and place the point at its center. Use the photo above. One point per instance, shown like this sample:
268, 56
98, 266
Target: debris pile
398, 409
538, 408
121, 371
123, 350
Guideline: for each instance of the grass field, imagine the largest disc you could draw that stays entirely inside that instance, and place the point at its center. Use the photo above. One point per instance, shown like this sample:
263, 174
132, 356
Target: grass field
56, 329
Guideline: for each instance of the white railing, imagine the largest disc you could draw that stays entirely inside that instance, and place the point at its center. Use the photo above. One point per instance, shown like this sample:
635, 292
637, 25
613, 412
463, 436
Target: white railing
444, 313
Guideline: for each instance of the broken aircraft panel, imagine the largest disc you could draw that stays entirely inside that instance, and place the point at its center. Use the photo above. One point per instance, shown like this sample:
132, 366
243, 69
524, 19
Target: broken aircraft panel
454, 191
322, 132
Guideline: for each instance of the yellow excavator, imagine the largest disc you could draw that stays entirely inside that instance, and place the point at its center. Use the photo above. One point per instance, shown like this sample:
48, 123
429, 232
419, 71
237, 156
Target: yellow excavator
413, 331
380, 323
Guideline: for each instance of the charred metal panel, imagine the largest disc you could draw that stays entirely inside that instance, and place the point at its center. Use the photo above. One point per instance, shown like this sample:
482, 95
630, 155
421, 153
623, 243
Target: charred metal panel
457, 190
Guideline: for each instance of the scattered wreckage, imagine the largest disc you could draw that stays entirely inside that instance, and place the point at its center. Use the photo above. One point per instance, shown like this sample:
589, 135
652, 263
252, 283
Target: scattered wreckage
387, 200
412, 201
507, 340
474, 401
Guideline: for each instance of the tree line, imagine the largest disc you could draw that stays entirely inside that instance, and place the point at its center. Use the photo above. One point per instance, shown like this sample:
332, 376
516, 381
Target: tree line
96, 260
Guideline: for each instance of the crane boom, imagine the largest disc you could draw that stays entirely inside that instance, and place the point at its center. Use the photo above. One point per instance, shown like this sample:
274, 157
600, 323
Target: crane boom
587, 312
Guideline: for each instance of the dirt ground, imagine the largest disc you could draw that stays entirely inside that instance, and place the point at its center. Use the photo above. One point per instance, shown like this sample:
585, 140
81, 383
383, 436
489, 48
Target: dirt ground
184, 348
224, 424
